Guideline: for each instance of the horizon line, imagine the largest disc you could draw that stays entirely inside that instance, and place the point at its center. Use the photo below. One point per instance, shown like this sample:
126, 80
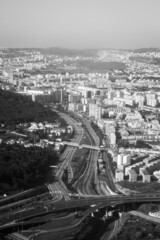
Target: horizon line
79, 49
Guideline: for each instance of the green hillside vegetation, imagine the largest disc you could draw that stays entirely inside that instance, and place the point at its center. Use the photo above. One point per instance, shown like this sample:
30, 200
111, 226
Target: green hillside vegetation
22, 168
15, 108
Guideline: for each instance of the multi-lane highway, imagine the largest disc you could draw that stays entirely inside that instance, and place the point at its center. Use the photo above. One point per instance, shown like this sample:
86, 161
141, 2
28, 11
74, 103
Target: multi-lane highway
92, 184
91, 190
80, 203
66, 157
88, 183
109, 176
89, 176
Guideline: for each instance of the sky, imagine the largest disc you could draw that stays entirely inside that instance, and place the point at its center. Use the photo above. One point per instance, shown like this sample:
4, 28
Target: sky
80, 23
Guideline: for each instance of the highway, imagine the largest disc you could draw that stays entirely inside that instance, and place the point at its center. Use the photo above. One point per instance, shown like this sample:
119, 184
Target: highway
92, 184
86, 183
65, 159
17, 236
109, 176
89, 177
107, 200
91, 190
80, 203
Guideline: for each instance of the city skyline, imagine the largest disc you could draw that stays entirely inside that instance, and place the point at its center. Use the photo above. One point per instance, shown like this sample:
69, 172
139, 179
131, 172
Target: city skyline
80, 24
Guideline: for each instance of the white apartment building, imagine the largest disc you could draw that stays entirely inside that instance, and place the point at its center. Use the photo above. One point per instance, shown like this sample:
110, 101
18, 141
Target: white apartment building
110, 132
113, 138
119, 175
132, 175
75, 107
139, 99
95, 111
152, 102
123, 160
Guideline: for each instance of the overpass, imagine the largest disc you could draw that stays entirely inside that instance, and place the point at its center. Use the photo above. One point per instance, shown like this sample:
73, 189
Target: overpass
73, 144
17, 236
97, 202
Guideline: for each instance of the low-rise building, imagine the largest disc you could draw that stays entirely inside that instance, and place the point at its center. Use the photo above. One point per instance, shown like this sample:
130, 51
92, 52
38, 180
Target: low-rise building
132, 175
146, 177
155, 214
119, 175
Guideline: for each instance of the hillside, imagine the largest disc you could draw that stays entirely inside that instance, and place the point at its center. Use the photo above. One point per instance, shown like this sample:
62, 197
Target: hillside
13, 52
144, 50
21, 167
15, 108
24, 168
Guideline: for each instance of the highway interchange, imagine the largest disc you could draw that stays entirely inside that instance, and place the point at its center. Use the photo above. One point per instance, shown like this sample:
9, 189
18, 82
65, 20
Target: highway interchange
91, 192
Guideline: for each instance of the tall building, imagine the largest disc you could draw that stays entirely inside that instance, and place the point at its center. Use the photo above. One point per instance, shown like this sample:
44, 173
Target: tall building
8, 72
113, 138
119, 160
89, 94
110, 95
126, 159
110, 132
107, 75
61, 96
140, 99
84, 100
151, 102
119, 94
119, 175
95, 111
33, 97
74, 98
75, 107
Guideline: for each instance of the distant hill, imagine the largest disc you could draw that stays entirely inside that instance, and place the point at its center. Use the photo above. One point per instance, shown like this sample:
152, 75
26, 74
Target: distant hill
143, 50
16, 108
73, 52
55, 51
69, 52
148, 60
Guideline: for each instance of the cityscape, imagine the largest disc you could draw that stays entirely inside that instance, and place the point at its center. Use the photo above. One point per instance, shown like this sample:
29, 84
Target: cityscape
79, 123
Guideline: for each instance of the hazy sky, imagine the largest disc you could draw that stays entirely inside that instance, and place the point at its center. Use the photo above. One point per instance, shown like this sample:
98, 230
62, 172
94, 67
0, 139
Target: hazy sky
80, 23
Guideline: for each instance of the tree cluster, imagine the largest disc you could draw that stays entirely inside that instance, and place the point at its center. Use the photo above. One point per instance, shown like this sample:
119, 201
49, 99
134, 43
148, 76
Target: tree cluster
15, 108
23, 168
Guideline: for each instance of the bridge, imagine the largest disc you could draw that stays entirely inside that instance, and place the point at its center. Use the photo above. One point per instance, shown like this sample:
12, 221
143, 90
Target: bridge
17, 236
73, 144
97, 202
